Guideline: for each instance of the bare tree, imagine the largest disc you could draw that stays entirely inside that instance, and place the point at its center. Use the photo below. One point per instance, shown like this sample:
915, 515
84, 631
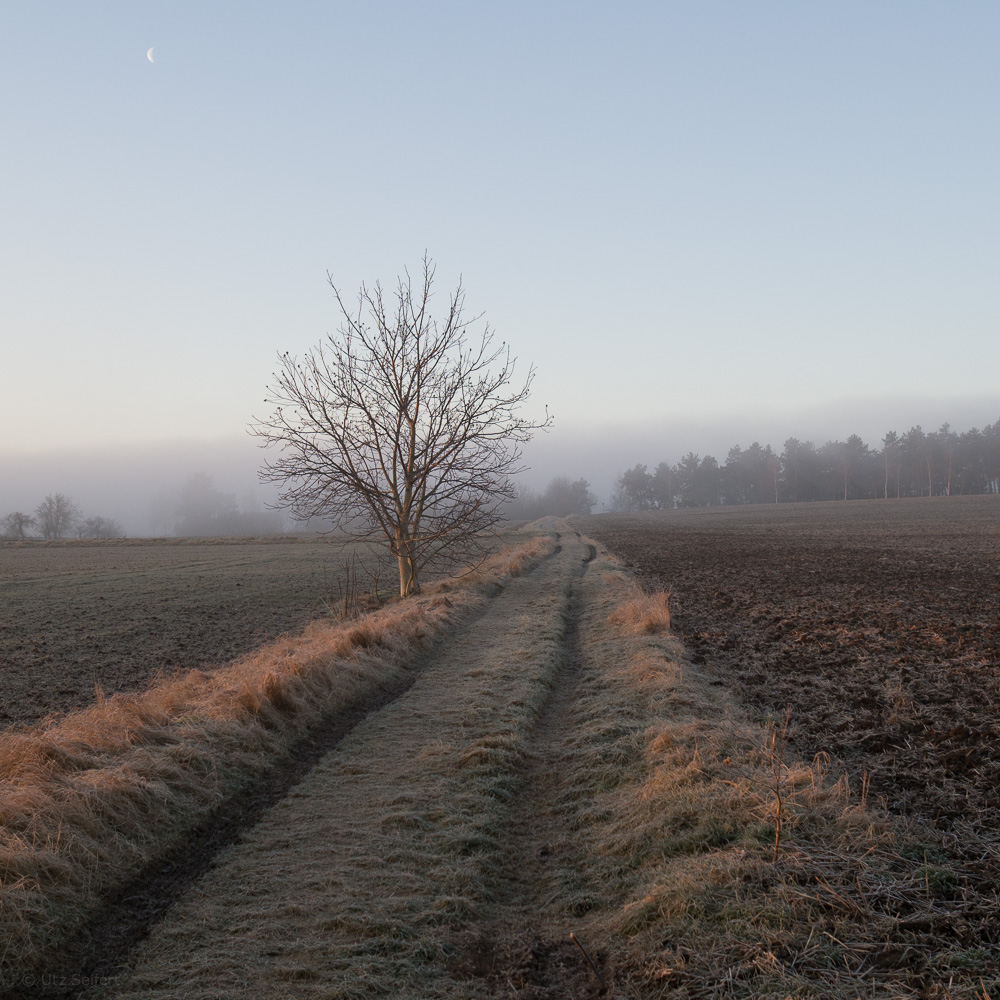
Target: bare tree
56, 515
100, 527
402, 427
204, 510
15, 525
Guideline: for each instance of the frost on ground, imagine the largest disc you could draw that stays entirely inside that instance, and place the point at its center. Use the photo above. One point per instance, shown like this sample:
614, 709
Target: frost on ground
560, 767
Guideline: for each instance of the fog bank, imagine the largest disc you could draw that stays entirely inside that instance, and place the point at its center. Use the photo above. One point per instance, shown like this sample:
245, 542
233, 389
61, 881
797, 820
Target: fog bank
136, 486
601, 453
139, 486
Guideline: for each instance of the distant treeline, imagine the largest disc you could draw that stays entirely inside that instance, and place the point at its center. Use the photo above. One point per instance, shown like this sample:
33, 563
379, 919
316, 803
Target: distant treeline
199, 509
939, 463
560, 498
57, 516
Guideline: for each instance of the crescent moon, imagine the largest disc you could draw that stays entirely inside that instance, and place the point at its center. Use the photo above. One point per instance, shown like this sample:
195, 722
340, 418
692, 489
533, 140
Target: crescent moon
149, 55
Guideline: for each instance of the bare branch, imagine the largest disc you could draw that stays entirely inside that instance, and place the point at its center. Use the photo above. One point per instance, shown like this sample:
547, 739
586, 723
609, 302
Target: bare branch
400, 426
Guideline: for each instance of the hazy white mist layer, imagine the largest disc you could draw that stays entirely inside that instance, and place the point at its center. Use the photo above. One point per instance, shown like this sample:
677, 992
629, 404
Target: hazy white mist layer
138, 486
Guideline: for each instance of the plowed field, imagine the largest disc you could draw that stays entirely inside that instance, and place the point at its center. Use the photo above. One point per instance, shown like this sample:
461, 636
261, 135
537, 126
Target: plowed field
877, 623
117, 613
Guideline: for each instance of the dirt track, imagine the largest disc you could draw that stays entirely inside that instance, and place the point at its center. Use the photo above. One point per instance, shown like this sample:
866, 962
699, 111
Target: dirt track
557, 766
413, 851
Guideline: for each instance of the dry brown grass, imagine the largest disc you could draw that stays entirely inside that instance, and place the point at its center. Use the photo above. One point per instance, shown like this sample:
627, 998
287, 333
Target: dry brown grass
689, 793
87, 800
645, 614
360, 883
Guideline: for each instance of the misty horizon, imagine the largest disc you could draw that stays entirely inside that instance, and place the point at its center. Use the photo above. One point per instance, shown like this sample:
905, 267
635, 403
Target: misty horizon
139, 486
693, 224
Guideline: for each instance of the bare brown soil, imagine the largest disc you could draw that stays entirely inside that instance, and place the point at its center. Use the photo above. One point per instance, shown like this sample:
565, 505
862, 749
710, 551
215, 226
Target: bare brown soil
877, 623
118, 613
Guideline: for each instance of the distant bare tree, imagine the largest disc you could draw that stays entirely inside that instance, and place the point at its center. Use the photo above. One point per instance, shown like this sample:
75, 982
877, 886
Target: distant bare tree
100, 527
563, 497
526, 506
15, 525
560, 499
400, 428
56, 515
204, 510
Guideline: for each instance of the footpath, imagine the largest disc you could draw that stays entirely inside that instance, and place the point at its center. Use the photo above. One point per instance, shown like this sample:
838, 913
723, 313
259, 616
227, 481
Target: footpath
415, 858
561, 804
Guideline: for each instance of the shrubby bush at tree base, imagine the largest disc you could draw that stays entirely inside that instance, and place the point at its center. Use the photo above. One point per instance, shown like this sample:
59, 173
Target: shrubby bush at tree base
914, 464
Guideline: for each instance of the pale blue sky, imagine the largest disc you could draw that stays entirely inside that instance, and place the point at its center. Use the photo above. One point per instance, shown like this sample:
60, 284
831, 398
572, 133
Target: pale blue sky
682, 213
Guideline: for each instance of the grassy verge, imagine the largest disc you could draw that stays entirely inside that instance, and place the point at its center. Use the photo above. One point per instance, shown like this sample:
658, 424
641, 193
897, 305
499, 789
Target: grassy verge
87, 800
722, 866
560, 768
364, 881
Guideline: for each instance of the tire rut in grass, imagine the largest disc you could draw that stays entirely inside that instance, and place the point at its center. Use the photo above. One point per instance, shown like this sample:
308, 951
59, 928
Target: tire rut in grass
526, 950
130, 914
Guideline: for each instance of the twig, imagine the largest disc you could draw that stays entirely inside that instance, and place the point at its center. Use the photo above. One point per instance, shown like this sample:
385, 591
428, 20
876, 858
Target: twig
583, 951
776, 758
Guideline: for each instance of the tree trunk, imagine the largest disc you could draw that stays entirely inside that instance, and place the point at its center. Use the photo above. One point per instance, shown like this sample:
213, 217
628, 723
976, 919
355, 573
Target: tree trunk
408, 583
